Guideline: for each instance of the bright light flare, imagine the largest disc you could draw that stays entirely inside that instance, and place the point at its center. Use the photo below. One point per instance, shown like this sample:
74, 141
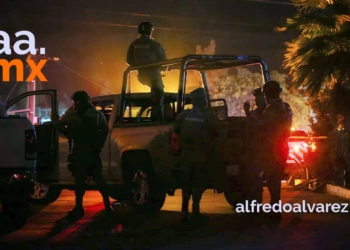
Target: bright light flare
296, 148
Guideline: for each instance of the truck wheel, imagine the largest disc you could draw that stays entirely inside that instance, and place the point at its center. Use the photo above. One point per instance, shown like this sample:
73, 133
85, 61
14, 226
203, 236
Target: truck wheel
44, 193
146, 196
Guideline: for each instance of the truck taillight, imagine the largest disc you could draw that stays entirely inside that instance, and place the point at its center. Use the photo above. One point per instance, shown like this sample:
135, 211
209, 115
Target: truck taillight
30, 144
175, 144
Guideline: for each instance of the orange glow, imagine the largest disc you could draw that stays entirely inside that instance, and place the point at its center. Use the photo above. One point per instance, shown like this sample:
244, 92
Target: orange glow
170, 79
79, 226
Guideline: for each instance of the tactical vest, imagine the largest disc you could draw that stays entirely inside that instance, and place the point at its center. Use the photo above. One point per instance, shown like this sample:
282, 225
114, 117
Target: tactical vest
87, 132
146, 51
196, 135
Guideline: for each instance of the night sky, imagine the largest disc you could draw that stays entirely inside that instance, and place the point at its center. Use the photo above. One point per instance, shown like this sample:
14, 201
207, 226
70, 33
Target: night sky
91, 37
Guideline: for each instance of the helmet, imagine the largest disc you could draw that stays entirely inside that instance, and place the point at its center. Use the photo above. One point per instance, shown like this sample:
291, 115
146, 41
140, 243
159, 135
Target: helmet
199, 97
198, 93
272, 88
257, 92
80, 95
145, 28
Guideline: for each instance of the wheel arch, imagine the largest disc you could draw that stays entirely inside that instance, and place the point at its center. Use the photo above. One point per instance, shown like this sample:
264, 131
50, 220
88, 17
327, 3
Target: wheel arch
137, 159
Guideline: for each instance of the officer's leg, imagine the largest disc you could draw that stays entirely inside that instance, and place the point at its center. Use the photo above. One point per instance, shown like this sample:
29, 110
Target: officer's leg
96, 172
157, 95
186, 192
273, 181
196, 199
186, 196
103, 188
78, 210
253, 186
200, 180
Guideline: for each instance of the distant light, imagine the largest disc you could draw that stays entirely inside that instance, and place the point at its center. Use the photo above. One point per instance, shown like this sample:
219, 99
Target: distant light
292, 128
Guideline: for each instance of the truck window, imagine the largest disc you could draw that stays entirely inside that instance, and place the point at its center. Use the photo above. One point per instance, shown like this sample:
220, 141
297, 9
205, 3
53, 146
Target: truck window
105, 107
138, 108
41, 104
235, 86
138, 103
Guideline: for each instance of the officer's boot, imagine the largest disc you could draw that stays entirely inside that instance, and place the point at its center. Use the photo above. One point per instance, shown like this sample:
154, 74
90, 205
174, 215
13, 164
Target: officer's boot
273, 182
107, 204
103, 188
78, 211
258, 193
186, 196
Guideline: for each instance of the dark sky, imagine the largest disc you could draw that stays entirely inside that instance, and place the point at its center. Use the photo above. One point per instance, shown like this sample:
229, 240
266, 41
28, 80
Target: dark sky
92, 37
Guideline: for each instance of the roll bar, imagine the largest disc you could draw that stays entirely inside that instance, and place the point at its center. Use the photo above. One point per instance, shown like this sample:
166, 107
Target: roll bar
200, 63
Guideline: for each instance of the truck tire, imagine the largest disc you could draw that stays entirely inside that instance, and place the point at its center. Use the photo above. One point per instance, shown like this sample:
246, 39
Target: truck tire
145, 191
147, 195
45, 194
17, 211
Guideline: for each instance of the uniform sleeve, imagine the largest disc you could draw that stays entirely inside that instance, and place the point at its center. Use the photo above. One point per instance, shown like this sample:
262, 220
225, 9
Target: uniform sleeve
266, 119
67, 118
130, 56
102, 128
66, 123
103, 125
161, 53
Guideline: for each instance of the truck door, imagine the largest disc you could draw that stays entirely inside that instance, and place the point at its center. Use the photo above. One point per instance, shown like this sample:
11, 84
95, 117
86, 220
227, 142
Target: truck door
41, 107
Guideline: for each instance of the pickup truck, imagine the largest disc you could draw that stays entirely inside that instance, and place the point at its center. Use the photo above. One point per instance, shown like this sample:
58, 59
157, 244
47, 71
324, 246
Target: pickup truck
140, 161
17, 163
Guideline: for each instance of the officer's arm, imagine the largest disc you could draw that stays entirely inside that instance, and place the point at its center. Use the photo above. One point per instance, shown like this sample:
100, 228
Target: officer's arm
161, 54
103, 127
130, 56
66, 119
265, 124
65, 122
